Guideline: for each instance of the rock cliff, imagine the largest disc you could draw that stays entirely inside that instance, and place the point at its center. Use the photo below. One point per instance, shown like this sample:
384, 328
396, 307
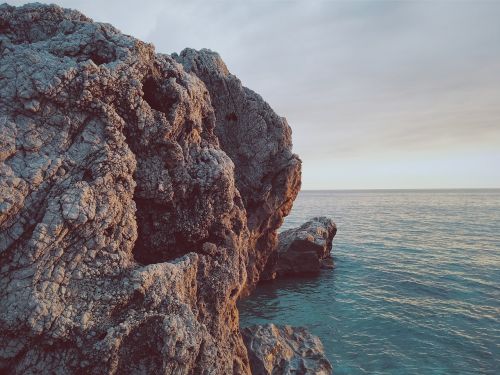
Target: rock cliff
140, 194
259, 142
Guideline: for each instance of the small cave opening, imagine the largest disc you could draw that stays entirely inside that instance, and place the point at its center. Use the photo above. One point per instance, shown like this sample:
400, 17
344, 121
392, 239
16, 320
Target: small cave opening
156, 240
159, 241
87, 175
154, 95
155, 247
99, 58
109, 231
234, 292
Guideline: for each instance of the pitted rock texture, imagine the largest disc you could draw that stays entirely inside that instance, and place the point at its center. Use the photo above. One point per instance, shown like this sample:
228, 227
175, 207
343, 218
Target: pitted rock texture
285, 350
303, 250
259, 142
124, 239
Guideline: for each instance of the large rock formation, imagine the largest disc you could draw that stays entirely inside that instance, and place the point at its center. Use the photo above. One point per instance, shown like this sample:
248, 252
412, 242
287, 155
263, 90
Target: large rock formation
135, 194
303, 250
285, 350
259, 142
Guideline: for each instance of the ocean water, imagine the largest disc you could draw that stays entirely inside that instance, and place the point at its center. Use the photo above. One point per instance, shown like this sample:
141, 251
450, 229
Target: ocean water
416, 288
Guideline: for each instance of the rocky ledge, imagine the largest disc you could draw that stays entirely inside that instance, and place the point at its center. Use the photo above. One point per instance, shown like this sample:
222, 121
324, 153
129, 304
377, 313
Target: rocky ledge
140, 194
303, 250
285, 350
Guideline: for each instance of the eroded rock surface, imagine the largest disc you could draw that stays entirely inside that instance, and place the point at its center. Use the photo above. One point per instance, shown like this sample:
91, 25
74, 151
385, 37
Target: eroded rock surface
285, 350
259, 142
303, 250
127, 221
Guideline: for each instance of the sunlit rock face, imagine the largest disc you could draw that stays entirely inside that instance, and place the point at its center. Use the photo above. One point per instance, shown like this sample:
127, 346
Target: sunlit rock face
259, 142
135, 198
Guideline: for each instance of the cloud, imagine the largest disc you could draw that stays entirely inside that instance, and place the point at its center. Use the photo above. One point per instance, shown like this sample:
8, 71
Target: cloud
358, 80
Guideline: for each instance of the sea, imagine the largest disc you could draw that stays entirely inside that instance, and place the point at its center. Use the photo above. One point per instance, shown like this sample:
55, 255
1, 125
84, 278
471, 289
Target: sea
416, 284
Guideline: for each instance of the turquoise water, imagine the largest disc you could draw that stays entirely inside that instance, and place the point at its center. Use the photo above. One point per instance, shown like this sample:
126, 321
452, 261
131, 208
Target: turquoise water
416, 288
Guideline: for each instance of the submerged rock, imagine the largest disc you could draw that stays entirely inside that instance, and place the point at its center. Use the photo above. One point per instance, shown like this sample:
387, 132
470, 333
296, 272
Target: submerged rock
303, 250
132, 213
285, 350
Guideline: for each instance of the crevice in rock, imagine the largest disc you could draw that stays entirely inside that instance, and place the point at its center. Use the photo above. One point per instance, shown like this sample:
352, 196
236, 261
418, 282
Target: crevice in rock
87, 175
151, 247
99, 59
147, 253
154, 95
234, 292
109, 231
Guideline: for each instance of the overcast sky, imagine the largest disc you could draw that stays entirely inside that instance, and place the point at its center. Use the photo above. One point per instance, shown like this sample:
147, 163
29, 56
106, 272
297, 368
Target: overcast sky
379, 94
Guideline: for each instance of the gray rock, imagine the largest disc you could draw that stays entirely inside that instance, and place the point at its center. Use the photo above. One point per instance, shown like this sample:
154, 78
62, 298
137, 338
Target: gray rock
285, 350
128, 227
303, 250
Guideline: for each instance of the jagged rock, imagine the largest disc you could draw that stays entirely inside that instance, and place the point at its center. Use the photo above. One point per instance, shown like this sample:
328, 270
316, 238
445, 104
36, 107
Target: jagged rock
303, 250
285, 350
259, 142
125, 241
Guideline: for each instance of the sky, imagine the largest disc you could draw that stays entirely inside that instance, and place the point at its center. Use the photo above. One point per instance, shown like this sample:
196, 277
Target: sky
379, 94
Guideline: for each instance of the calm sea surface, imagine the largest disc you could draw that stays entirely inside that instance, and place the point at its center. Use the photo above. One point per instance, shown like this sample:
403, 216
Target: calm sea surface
416, 288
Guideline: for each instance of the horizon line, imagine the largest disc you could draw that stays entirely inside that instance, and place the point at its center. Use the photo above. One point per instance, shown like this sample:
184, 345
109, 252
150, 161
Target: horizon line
399, 189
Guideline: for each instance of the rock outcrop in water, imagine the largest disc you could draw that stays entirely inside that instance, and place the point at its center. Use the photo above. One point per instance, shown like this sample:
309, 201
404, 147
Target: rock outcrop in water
139, 196
285, 350
303, 250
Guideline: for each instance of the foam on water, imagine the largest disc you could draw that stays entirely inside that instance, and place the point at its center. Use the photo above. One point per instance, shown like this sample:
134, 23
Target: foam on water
416, 288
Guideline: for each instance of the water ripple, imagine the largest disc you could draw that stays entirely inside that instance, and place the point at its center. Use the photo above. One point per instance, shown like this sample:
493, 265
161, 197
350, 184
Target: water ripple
416, 289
